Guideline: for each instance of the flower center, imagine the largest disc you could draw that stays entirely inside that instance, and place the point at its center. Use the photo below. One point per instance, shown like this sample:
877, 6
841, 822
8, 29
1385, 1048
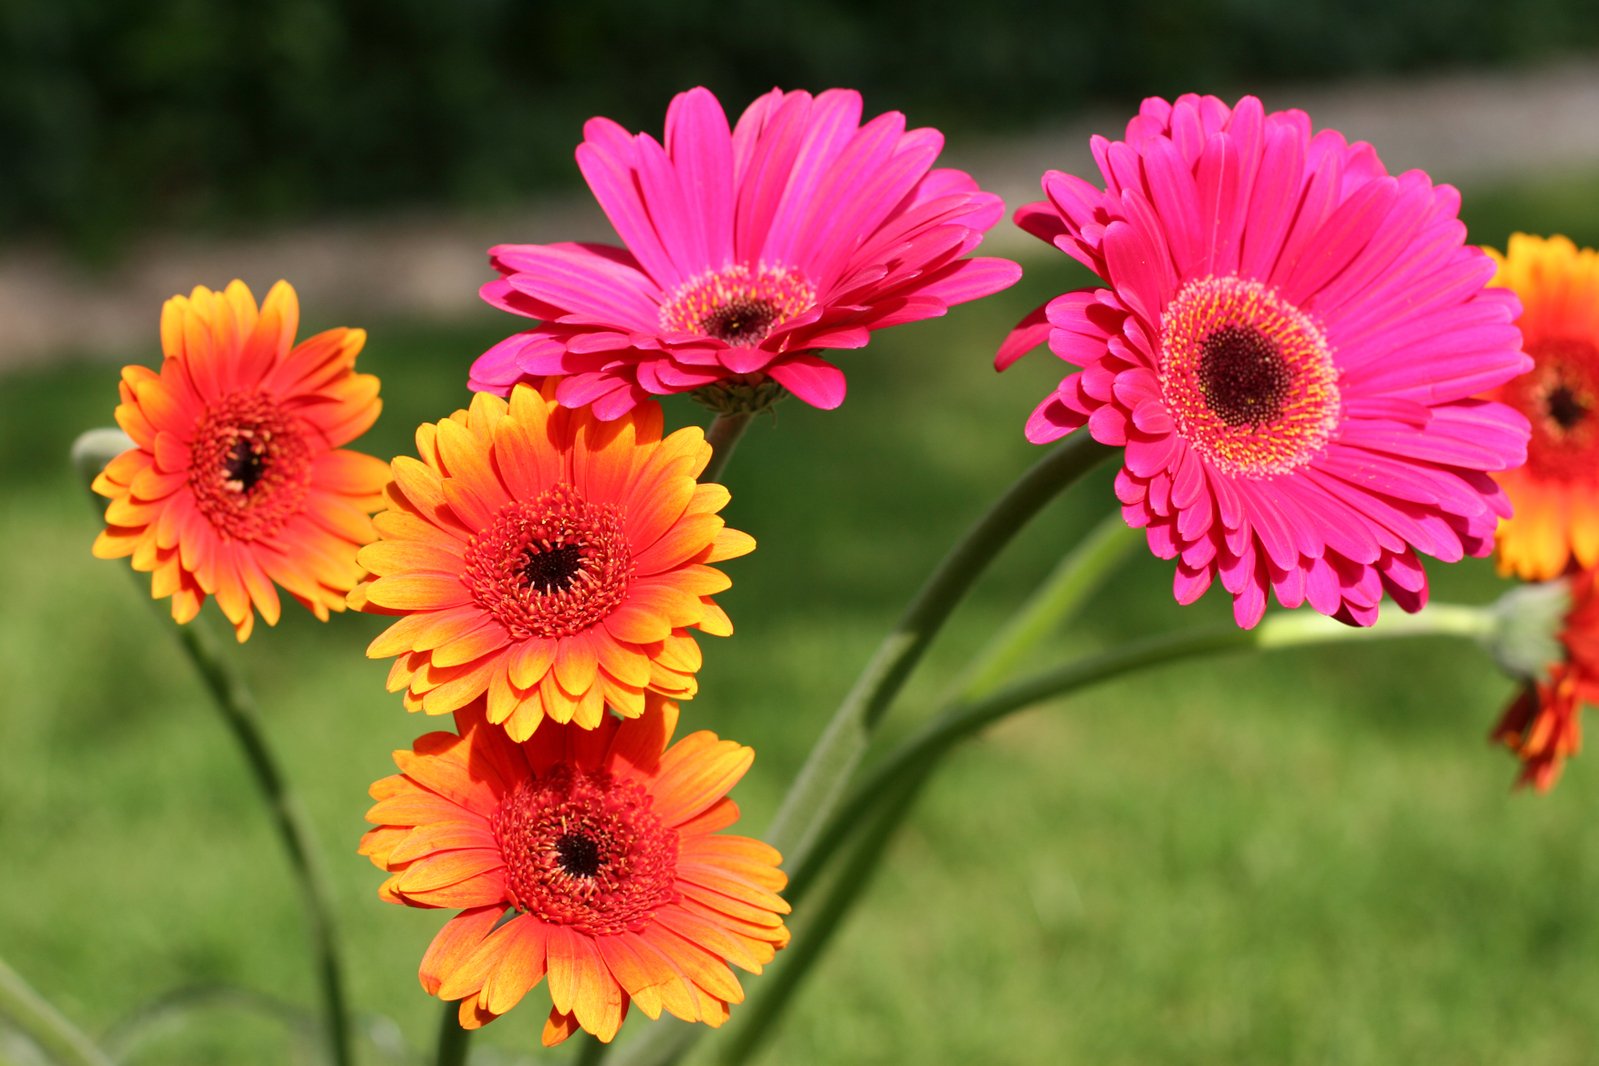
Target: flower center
249, 466
736, 305
585, 850
1559, 396
1248, 377
551, 566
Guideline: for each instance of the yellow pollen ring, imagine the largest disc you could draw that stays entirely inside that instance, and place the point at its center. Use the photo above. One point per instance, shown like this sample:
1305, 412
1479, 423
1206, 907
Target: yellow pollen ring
737, 305
1249, 378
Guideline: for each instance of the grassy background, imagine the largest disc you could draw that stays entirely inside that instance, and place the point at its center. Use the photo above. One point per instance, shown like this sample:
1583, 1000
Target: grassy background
1306, 858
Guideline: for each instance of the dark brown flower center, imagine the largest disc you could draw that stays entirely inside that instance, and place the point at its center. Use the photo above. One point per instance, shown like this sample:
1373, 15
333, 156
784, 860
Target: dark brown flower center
1249, 378
736, 305
584, 850
1558, 396
550, 570
578, 854
741, 323
249, 465
1565, 407
1243, 377
550, 566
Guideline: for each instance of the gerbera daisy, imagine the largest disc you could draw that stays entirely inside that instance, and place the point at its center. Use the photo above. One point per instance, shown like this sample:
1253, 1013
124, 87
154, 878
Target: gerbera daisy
1288, 350
748, 251
236, 479
1556, 494
1542, 726
591, 857
547, 559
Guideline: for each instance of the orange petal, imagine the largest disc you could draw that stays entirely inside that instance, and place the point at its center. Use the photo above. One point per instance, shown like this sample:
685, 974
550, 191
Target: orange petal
454, 943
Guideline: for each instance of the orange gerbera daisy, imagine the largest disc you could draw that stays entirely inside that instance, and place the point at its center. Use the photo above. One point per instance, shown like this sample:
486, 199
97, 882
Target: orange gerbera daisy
548, 559
236, 479
1542, 726
1556, 494
591, 857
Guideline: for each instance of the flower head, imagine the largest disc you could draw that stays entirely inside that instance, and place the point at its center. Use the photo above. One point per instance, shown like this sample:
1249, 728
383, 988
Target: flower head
1556, 494
1288, 348
749, 250
590, 857
550, 560
1542, 725
236, 481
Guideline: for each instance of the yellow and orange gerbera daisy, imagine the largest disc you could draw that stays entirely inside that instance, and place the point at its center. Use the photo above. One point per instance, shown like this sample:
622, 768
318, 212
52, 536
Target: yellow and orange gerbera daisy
590, 858
1556, 494
236, 480
549, 560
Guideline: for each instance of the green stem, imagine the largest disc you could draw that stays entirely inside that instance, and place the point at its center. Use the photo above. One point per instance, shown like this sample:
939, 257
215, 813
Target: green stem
232, 699
33, 1015
239, 713
123, 1040
723, 436
454, 1043
920, 752
821, 781
849, 884
591, 1053
893, 785
1077, 576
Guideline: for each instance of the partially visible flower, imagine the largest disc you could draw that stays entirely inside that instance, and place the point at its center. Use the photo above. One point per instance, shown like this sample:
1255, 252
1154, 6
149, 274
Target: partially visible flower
747, 252
1542, 725
1556, 494
236, 480
549, 560
1542, 728
592, 858
1289, 349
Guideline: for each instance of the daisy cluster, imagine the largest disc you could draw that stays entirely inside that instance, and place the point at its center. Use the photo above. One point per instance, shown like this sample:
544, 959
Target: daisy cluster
1309, 378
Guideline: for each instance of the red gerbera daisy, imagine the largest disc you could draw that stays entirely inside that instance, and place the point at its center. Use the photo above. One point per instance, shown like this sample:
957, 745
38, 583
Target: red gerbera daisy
236, 480
550, 560
1542, 725
748, 250
1288, 348
592, 858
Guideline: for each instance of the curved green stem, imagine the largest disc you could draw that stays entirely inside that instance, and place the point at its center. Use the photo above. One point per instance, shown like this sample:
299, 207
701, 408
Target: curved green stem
123, 1039
232, 699
1074, 579
894, 783
821, 781
33, 1015
920, 752
723, 435
850, 883
239, 713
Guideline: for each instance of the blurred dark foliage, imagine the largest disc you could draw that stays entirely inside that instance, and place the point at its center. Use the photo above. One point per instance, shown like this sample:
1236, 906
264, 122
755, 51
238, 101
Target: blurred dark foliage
117, 115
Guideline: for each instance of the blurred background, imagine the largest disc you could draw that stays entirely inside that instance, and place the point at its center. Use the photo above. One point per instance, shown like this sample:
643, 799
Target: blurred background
1312, 858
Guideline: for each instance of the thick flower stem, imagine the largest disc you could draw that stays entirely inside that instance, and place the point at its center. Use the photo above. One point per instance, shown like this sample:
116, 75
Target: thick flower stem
723, 436
232, 699
32, 1015
881, 801
850, 883
238, 710
1073, 580
454, 1043
821, 781
920, 753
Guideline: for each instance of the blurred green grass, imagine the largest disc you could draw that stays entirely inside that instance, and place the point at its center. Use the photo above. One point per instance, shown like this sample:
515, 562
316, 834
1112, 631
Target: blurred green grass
1307, 858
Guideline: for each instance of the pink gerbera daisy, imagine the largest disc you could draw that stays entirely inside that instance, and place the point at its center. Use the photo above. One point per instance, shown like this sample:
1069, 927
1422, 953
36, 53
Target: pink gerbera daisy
1289, 350
748, 250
